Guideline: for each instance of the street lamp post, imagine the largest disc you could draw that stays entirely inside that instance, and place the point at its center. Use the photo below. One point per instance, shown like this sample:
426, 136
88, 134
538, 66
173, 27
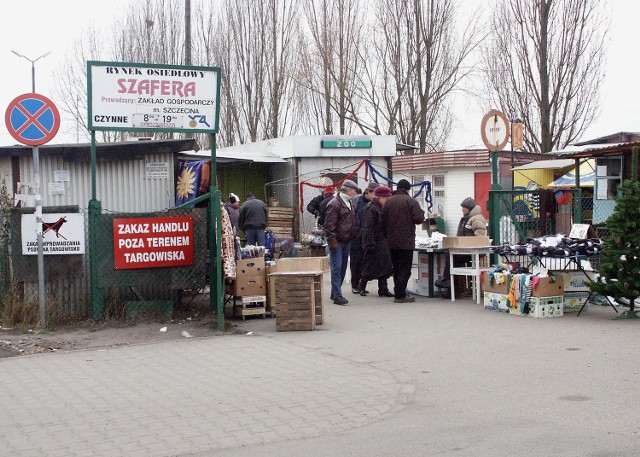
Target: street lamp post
38, 209
33, 67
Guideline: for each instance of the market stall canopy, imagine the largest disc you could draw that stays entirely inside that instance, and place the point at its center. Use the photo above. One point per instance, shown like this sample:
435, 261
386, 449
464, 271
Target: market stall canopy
546, 164
587, 176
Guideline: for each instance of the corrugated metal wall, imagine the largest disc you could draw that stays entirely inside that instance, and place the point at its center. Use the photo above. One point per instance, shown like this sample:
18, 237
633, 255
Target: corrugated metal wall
120, 185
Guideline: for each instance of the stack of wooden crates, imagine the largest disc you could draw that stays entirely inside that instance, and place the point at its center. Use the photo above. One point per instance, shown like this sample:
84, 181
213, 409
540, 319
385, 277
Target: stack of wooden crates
249, 289
280, 220
295, 292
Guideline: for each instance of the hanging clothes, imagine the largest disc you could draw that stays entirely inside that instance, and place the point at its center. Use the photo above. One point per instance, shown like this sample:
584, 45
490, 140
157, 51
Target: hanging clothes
228, 245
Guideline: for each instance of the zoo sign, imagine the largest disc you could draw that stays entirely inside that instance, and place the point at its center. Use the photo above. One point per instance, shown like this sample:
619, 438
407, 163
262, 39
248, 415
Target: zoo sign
149, 97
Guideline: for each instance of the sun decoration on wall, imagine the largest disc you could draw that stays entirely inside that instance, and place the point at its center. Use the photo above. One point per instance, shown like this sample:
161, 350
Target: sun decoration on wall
186, 183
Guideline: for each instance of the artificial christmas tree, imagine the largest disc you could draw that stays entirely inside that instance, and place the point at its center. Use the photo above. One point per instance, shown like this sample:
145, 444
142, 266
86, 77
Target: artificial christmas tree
619, 271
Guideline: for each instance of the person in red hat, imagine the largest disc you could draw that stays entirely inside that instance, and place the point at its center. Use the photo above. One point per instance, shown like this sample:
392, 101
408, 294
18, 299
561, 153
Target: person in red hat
376, 261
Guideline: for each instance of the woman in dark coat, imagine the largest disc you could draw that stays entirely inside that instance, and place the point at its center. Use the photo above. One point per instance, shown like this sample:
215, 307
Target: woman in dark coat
376, 262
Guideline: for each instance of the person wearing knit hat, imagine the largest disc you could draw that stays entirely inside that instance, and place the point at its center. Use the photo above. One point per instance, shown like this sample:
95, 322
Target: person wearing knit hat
382, 192
315, 205
404, 184
377, 257
359, 202
472, 223
468, 203
340, 231
400, 215
233, 208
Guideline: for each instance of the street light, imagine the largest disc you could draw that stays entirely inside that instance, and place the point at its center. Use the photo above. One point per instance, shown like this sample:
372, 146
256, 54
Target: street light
33, 67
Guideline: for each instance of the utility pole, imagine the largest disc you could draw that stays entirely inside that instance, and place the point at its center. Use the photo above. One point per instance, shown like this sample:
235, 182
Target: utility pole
38, 209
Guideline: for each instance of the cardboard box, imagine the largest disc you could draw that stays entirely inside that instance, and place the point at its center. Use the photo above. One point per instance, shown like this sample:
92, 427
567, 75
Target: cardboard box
550, 286
573, 301
251, 267
495, 302
574, 280
302, 264
543, 307
491, 286
248, 285
465, 241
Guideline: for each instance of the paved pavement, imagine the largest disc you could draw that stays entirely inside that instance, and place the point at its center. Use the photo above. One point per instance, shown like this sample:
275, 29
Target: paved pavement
377, 379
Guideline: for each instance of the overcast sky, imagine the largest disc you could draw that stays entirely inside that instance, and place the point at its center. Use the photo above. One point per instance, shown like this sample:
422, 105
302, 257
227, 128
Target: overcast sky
35, 27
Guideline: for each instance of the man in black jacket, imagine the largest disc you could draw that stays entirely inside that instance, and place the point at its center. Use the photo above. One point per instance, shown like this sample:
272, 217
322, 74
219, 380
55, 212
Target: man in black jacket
253, 220
400, 215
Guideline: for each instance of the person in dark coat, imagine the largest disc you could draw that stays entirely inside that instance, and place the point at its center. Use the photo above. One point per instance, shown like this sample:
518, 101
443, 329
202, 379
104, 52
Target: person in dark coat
314, 205
400, 215
340, 230
359, 202
233, 209
253, 220
376, 262
329, 193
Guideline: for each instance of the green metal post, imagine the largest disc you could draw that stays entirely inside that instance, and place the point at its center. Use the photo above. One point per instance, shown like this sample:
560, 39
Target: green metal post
95, 209
216, 289
577, 207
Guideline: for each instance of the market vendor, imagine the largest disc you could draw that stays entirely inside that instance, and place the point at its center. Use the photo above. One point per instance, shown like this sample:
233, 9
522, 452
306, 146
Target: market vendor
472, 223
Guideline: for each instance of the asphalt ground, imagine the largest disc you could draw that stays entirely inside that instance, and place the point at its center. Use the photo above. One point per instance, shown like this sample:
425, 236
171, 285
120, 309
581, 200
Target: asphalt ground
430, 378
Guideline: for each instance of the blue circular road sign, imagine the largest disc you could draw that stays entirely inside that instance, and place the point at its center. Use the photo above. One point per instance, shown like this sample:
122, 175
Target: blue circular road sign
32, 119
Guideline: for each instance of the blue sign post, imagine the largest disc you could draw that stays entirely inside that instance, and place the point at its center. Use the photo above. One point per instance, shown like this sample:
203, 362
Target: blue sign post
33, 119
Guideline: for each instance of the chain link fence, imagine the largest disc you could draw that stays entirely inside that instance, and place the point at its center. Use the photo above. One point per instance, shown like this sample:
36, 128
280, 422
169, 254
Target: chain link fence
122, 288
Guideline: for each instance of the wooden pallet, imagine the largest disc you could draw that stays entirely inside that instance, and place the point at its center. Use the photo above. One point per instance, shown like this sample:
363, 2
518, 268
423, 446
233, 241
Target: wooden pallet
252, 305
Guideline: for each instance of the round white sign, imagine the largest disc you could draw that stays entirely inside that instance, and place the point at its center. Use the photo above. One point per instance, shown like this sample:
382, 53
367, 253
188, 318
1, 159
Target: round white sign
495, 130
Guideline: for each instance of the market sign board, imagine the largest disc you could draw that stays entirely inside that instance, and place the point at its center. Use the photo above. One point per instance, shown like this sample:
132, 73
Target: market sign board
150, 97
152, 242
345, 144
62, 234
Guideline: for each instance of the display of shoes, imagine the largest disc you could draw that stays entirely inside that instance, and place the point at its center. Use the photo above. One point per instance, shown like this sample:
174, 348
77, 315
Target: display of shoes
340, 301
407, 299
385, 293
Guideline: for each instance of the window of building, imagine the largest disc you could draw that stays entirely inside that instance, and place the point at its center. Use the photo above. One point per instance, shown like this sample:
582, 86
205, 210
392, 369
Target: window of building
608, 177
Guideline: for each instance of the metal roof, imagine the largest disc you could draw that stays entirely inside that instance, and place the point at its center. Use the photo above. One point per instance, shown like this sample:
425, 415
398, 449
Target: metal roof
547, 164
234, 156
595, 150
81, 152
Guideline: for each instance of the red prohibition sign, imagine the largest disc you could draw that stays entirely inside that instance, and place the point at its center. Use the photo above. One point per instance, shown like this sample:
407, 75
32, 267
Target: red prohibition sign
32, 119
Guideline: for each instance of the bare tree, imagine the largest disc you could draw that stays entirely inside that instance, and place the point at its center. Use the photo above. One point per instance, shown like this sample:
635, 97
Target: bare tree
422, 60
147, 32
332, 62
546, 64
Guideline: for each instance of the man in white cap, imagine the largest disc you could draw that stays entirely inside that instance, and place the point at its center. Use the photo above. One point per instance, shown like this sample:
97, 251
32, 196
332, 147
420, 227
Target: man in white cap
340, 230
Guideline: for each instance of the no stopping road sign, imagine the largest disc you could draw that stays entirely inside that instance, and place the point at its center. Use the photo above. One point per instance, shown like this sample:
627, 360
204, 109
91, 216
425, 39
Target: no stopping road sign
32, 119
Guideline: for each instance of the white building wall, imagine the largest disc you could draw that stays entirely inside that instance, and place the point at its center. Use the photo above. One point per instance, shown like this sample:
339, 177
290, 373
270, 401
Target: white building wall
459, 184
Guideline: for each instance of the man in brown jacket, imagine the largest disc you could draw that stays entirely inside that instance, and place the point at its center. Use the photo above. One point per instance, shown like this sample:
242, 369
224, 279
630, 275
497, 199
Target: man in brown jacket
400, 215
340, 230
